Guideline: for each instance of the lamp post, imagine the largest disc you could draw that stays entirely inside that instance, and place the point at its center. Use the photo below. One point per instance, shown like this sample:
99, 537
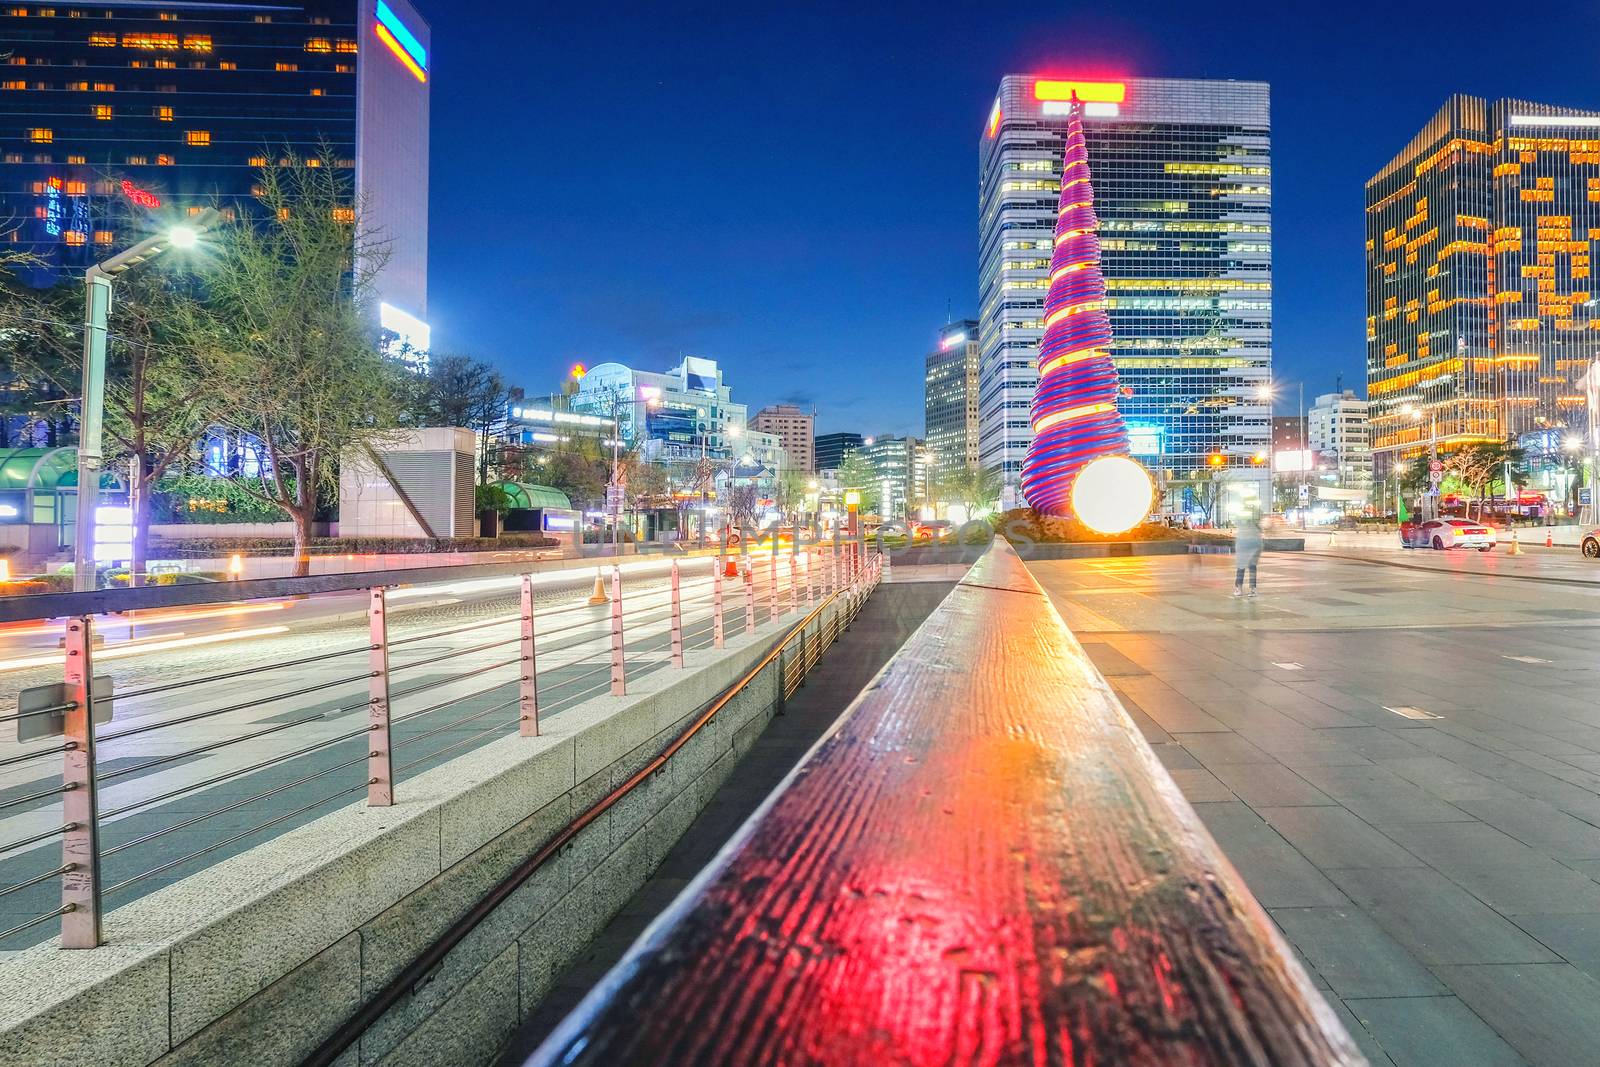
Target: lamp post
1431, 511
96, 312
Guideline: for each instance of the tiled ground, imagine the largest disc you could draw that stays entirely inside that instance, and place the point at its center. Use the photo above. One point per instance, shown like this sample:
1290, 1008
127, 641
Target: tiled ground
1440, 876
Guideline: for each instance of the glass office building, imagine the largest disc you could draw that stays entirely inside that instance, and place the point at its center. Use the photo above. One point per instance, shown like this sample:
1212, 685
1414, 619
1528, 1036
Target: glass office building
950, 398
1183, 190
119, 117
1480, 302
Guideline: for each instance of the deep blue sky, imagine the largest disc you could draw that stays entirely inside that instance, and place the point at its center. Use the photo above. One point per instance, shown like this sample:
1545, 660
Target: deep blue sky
793, 192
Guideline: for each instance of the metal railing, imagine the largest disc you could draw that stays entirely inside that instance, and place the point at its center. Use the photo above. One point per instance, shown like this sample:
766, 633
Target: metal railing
792, 657
216, 763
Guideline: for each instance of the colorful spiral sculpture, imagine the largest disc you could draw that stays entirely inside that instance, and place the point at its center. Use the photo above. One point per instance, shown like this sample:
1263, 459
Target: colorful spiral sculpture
1075, 419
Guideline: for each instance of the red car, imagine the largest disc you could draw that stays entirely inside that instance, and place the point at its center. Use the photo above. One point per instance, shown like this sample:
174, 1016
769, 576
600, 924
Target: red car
1447, 533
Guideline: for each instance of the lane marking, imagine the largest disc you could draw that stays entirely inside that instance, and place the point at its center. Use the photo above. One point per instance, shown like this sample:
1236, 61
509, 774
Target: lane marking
1525, 659
1289, 666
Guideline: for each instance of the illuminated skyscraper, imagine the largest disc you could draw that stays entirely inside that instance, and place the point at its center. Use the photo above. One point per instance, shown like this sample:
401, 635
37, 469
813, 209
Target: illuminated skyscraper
120, 116
1480, 303
950, 398
1182, 177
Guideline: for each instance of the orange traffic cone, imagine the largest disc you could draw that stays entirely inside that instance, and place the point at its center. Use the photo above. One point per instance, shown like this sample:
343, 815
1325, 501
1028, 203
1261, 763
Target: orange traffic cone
1515, 549
599, 596
1549, 538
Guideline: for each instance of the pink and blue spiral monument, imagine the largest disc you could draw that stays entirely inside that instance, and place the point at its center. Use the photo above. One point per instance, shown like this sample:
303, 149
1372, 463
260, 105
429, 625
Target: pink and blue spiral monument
1075, 419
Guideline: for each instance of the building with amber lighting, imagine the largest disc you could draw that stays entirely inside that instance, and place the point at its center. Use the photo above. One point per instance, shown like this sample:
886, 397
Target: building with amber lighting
1480, 301
118, 117
1183, 190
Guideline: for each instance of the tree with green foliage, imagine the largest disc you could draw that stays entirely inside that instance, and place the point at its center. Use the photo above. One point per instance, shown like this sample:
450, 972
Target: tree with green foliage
288, 323
855, 472
977, 489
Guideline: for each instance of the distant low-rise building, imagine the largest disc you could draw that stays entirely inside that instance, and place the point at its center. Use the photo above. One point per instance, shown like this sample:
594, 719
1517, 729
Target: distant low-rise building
793, 428
1337, 431
900, 473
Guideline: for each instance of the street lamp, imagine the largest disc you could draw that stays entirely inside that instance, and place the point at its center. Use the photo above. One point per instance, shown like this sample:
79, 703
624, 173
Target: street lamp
96, 311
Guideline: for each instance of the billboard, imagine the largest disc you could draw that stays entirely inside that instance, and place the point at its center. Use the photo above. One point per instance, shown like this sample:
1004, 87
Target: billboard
699, 375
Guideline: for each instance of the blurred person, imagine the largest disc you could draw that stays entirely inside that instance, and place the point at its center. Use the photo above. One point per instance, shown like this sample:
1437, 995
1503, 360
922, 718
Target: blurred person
1246, 553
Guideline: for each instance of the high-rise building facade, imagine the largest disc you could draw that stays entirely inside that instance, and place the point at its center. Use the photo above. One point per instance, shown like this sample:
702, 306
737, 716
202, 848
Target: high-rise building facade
950, 397
1337, 426
1183, 191
793, 429
1480, 300
829, 449
121, 116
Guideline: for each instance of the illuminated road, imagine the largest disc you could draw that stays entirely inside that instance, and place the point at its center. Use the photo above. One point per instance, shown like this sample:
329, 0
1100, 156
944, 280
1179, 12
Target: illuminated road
154, 780
1404, 764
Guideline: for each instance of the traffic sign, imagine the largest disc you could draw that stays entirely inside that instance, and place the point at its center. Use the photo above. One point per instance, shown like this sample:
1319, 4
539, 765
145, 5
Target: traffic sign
1435, 467
1583, 496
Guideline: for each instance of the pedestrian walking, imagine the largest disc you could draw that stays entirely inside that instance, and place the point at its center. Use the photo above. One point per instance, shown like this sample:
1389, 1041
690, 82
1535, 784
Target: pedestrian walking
1246, 554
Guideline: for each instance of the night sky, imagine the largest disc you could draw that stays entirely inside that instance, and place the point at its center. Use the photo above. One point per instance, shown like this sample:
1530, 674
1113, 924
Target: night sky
793, 192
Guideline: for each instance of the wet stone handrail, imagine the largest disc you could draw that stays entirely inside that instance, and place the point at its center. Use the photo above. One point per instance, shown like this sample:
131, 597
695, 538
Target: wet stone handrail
982, 862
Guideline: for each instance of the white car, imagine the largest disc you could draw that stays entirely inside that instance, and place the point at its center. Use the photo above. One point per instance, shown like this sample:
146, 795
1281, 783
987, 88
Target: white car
1447, 533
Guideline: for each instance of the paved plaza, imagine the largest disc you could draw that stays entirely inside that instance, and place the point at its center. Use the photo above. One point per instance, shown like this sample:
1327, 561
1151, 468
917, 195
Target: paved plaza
1404, 765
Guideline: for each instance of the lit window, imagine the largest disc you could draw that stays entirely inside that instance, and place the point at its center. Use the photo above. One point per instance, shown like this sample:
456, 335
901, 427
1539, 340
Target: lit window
138, 161
102, 237
81, 87
165, 161
258, 161
137, 64
13, 85
344, 214
318, 92
102, 112
102, 40
164, 114
39, 135
263, 18
197, 64
286, 66
197, 42
227, 65
46, 12
13, 157
195, 209
197, 138
78, 160
345, 47
344, 68
17, 12
76, 188
105, 87
74, 237
319, 45
150, 41
166, 64
283, 214
168, 16
313, 162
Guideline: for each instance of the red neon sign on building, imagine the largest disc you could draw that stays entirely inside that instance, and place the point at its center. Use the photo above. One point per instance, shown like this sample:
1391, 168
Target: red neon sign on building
142, 197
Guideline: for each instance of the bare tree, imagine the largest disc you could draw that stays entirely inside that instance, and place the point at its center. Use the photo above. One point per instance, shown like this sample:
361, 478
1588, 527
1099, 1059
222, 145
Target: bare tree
288, 322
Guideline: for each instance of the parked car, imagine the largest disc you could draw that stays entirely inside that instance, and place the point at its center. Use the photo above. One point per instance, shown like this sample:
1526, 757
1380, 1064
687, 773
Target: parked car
1447, 533
1591, 544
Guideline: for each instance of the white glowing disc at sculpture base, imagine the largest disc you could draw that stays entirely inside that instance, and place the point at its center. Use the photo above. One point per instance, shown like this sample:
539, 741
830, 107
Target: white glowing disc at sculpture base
1112, 494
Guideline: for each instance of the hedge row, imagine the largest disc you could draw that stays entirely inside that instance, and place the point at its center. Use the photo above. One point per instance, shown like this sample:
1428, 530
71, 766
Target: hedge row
214, 547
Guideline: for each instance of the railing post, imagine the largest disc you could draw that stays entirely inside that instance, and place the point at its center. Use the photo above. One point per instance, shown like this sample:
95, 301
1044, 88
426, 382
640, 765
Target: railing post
772, 581
619, 674
716, 606
380, 771
80, 844
677, 619
811, 576
833, 565
794, 589
529, 692
749, 597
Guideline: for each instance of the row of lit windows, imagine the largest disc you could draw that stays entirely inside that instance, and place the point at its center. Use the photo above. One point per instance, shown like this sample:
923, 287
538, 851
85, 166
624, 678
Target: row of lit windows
164, 16
168, 64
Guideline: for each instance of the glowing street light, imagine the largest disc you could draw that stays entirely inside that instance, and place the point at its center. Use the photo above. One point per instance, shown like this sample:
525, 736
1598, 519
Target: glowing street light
96, 311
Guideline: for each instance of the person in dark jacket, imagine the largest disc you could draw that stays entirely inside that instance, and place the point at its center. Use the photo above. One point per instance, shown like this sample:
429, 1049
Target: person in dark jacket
1246, 554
